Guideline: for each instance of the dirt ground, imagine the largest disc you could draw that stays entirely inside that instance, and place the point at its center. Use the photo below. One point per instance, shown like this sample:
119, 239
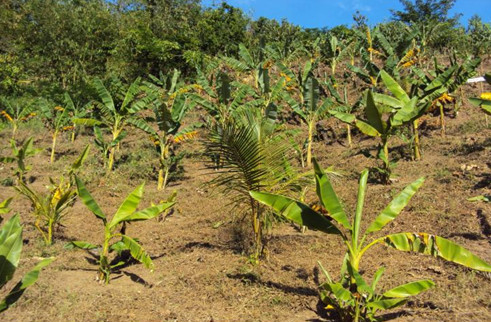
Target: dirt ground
201, 273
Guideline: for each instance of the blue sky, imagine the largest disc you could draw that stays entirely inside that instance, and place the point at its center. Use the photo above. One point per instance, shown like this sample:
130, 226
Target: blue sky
330, 13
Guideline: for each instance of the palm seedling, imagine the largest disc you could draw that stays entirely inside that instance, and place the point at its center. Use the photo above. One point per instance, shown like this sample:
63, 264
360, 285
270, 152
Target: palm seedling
10, 251
114, 239
19, 156
116, 117
252, 157
351, 296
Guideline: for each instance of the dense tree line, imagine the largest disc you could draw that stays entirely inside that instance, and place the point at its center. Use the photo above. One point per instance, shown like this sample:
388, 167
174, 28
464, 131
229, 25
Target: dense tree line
49, 46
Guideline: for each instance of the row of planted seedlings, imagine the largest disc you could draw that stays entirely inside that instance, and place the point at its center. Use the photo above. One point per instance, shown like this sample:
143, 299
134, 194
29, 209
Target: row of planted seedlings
247, 146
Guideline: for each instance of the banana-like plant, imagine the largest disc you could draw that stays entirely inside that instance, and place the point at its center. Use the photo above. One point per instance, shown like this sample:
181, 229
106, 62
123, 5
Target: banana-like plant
57, 119
16, 110
352, 297
115, 240
335, 51
377, 124
19, 156
10, 251
76, 112
450, 79
308, 107
116, 117
248, 63
170, 108
342, 104
52, 206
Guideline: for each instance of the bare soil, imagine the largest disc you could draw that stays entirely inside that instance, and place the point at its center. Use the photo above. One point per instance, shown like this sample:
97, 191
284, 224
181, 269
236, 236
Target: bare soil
201, 272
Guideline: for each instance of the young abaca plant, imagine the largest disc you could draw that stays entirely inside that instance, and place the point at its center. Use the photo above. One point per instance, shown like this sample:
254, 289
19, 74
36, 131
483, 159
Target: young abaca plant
170, 107
51, 207
19, 156
351, 296
126, 213
118, 116
17, 110
57, 119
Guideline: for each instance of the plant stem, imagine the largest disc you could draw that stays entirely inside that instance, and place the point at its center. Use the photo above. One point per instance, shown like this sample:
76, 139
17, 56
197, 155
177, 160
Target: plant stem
442, 120
417, 154
53, 146
309, 144
111, 159
348, 130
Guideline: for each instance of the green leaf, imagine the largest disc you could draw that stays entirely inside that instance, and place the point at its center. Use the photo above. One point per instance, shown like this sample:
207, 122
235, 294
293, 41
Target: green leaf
128, 207
4, 205
342, 116
296, 211
387, 100
338, 291
104, 95
376, 277
87, 199
30, 278
129, 97
328, 197
436, 246
10, 248
81, 158
395, 207
373, 116
137, 251
394, 87
479, 198
80, 244
367, 128
361, 286
386, 304
148, 213
410, 289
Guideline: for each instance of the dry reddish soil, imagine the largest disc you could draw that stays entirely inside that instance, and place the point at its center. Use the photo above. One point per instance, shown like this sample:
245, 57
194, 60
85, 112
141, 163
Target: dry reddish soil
201, 273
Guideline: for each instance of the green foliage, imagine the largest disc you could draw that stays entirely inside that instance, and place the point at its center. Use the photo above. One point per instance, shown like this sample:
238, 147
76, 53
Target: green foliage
51, 207
16, 110
117, 112
19, 156
351, 296
10, 251
170, 107
126, 213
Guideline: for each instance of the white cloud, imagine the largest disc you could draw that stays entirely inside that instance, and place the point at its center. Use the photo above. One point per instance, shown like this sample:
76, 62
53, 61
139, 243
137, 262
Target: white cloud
354, 5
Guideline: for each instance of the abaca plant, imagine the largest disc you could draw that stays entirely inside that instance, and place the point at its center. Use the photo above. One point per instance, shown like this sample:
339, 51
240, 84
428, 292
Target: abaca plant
19, 156
16, 110
118, 116
351, 296
114, 240
170, 107
49, 208
57, 119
